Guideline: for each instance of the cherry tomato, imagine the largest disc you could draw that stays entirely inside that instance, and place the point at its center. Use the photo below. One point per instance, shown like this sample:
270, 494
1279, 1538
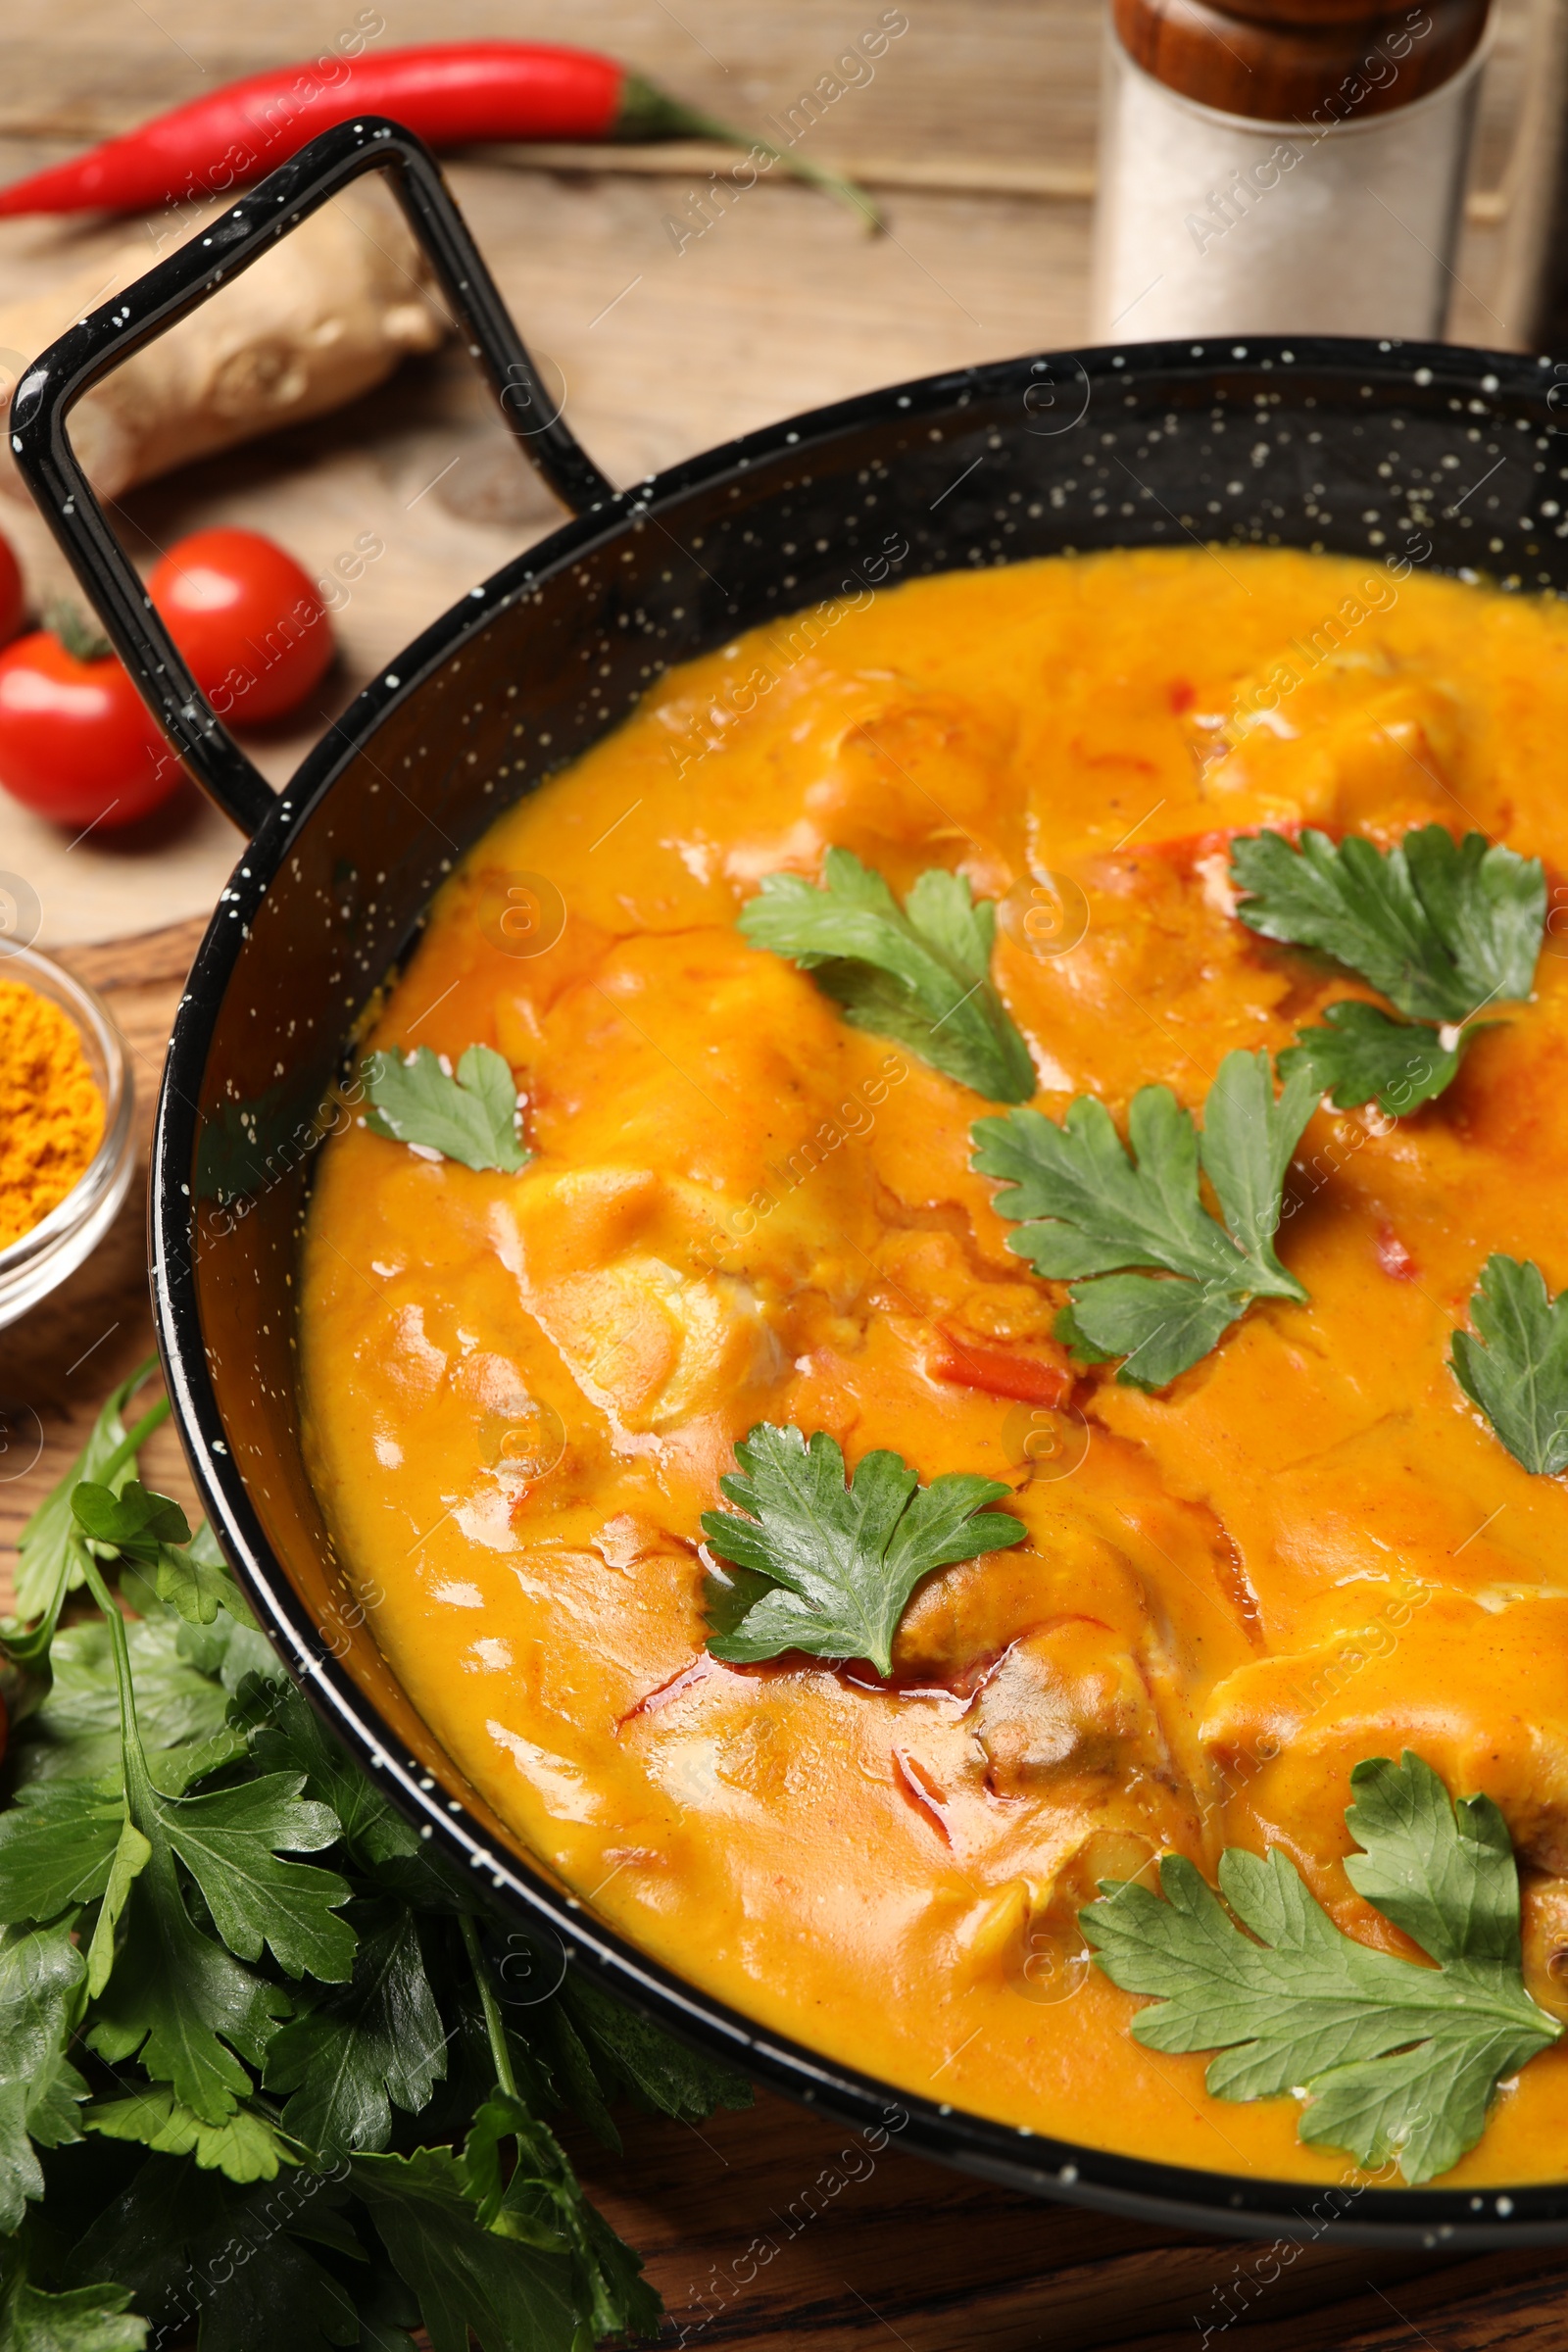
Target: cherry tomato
77, 741
247, 619
12, 598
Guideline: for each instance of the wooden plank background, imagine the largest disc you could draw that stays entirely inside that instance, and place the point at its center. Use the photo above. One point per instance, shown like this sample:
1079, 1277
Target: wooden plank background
772, 2229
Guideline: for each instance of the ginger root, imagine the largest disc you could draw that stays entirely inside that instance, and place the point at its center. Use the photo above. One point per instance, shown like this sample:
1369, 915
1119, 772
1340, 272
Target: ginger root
321, 318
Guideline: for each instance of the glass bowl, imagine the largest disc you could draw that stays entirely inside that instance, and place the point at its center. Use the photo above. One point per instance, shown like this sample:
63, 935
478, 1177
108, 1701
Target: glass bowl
34, 1265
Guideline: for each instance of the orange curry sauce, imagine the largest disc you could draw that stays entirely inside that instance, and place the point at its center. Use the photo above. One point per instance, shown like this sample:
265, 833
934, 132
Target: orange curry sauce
522, 1390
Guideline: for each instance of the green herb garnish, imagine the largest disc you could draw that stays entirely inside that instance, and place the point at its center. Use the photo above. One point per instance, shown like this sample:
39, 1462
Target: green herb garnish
243, 2147
353, 2054
51, 1553
1089, 1207
1440, 928
492, 2275
472, 1116
152, 1533
223, 1953
1517, 1369
1362, 1056
920, 975
828, 1567
1393, 2059
84, 2319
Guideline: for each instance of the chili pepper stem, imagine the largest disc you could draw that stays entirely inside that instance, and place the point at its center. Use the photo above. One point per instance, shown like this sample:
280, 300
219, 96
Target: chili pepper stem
646, 112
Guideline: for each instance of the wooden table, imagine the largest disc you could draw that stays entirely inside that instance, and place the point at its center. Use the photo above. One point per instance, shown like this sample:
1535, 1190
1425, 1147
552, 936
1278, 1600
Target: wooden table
773, 2228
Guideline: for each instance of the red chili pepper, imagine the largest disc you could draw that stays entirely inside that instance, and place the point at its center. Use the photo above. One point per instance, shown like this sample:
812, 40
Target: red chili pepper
1002, 1372
452, 93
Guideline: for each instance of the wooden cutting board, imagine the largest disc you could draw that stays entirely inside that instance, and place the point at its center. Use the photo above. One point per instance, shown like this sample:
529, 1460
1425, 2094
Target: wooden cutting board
774, 2228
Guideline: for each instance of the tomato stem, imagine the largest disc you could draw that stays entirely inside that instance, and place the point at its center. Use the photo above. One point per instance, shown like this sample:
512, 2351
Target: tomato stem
81, 638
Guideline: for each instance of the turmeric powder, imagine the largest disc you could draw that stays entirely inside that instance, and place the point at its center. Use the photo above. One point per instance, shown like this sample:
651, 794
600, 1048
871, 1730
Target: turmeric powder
51, 1112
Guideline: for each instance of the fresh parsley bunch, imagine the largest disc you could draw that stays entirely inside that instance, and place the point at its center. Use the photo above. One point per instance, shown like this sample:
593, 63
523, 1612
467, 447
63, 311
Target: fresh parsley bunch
1441, 928
919, 973
1391, 2059
256, 2083
1089, 1207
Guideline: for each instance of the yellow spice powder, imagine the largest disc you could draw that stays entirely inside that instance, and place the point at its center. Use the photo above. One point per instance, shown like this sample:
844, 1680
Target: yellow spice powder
51, 1112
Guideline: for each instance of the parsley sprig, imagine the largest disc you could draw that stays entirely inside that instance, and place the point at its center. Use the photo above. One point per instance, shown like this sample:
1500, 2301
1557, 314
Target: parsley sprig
222, 1957
1391, 2059
51, 1550
919, 973
827, 1566
470, 1114
1441, 928
1088, 1207
1516, 1365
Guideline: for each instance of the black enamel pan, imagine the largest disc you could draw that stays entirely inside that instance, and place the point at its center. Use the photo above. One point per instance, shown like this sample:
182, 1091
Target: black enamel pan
1404, 456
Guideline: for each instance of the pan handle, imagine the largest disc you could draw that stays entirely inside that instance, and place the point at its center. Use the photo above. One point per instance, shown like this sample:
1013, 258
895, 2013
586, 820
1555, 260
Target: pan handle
59, 377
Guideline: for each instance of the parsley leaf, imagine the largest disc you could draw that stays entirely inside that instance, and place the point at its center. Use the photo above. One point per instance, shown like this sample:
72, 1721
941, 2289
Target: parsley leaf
244, 2147
231, 1648
640, 2057
151, 1531
1088, 1207
286, 1735
86, 2319
40, 1978
191, 2245
1393, 2059
840, 1561
541, 2205
514, 2297
376, 2043
175, 1996
57, 1843
135, 1521
175, 2000
1517, 1369
49, 1549
472, 1116
1439, 927
230, 1841
66, 1844
920, 974
129, 1859
171, 1992
76, 1733
1363, 1055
